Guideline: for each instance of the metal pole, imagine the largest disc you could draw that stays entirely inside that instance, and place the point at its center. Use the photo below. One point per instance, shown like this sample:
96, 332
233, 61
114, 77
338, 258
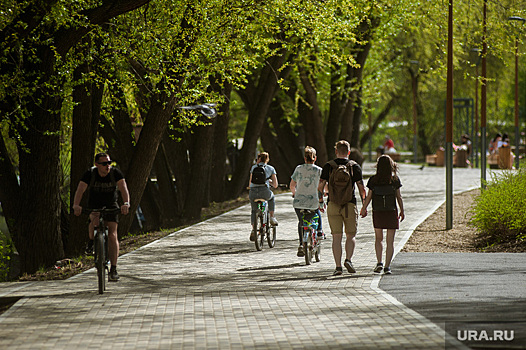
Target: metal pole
370, 137
483, 102
415, 128
517, 136
449, 122
475, 141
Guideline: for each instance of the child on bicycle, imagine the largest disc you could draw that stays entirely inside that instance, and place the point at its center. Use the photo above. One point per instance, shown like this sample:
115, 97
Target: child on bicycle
262, 176
384, 189
304, 187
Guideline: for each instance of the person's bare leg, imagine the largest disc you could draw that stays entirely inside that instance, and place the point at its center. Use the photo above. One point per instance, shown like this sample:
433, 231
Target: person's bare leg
337, 249
113, 243
350, 243
378, 243
94, 221
389, 250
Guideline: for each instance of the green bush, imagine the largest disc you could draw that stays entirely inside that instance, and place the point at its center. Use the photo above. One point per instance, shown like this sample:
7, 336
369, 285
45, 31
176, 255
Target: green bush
5, 256
499, 213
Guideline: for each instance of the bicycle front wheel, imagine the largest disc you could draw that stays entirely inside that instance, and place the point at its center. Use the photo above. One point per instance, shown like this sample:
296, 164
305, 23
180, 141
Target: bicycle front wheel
100, 260
259, 232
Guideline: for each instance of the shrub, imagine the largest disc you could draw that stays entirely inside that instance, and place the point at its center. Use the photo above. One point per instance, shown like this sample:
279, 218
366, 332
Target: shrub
5, 256
499, 213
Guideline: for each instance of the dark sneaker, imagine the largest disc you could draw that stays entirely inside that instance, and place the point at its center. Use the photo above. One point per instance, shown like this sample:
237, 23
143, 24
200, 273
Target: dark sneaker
387, 270
253, 236
321, 235
338, 271
348, 266
379, 267
113, 276
89, 247
300, 251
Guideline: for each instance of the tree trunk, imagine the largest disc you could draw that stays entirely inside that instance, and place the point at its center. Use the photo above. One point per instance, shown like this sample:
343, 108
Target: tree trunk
257, 102
218, 180
145, 151
200, 161
165, 183
332, 129
38, 238
380, 118
313, 124
86, 115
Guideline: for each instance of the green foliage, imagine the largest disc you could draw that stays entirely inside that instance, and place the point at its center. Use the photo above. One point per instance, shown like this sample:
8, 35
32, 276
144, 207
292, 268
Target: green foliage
5, 256
499, 213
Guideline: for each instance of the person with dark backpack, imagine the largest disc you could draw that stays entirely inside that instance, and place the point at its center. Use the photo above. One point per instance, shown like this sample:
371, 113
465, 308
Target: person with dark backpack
341, 174
262, 176
384, 191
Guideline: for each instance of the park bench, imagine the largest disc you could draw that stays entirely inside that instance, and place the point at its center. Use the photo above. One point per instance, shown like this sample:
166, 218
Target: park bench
501, 159
460, 158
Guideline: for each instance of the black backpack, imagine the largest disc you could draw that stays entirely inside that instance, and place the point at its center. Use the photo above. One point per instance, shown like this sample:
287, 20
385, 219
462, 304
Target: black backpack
258, 175
384, 198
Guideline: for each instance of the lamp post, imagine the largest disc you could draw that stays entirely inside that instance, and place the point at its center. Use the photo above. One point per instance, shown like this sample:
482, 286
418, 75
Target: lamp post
415, 127
449, 121
483, 106
517, 135
475, 141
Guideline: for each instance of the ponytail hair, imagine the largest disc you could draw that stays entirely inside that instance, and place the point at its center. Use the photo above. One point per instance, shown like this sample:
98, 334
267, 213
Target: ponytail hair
310, 154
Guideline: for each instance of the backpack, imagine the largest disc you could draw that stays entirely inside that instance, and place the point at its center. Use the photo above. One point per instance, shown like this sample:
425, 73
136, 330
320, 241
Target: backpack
258, 175
384, 198
341, 186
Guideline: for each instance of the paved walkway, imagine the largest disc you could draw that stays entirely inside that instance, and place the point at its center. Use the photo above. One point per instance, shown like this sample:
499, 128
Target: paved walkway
206, 287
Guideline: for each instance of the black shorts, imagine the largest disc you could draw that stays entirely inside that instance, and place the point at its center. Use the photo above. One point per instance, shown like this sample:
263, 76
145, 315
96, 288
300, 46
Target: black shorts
111, 217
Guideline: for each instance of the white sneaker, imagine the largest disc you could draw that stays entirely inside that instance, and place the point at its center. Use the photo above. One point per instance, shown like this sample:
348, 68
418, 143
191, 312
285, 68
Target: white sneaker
273, 221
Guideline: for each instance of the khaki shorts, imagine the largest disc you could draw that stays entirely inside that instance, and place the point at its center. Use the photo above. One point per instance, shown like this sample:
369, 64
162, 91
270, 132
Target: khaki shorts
338, 218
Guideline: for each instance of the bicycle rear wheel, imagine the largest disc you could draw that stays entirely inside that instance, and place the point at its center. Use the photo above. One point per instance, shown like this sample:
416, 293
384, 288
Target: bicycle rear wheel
307, 249
100, 260
271, 236
259, 232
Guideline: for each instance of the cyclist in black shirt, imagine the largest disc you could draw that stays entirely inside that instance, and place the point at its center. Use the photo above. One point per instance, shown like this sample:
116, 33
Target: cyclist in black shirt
103, 181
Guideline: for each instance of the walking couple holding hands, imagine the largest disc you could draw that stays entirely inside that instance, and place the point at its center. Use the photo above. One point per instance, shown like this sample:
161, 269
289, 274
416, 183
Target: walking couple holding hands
309, 182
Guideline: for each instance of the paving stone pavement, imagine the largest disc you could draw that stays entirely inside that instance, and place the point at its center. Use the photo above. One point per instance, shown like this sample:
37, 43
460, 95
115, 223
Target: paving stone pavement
206, 287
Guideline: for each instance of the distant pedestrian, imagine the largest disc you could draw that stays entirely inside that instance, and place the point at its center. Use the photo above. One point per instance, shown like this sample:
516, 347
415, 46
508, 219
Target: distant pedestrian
384, 191
389, 145
341, 174
304, 187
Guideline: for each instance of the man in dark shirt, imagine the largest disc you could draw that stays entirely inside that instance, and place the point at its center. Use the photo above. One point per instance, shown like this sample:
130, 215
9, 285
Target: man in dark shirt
102, 182
346, 215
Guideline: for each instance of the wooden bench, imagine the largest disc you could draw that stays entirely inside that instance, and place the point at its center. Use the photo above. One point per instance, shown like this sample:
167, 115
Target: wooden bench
460, 158
394, 156
502, 159
431, 159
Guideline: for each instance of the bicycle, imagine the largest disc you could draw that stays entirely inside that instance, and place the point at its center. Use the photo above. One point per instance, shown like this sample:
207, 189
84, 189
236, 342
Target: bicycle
100, 245
262, 226
311, 243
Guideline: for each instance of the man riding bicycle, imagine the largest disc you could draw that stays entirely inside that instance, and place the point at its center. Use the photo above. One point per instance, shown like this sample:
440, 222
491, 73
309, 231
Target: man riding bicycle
103, 181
